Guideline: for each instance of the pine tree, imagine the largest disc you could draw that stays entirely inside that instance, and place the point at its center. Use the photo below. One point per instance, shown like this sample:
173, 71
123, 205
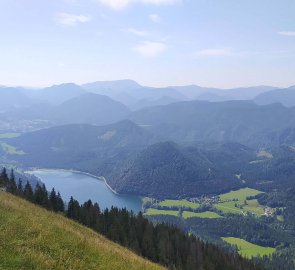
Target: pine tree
45, 201
60, 203
3, 178
4, 175
11, 186
28, 192
41, 196
19, 190
53, 200
74, 210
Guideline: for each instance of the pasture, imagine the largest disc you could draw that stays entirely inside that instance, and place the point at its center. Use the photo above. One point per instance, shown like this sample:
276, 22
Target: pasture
247, 249
207, 214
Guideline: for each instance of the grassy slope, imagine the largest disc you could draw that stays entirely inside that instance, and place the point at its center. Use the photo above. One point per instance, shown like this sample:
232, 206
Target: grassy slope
33, 238
247, 249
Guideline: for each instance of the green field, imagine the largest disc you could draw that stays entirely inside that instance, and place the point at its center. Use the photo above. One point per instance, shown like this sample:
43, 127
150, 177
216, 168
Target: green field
153, 212
34, 238
234, 202
240, 194
207, 214
229, 207
179, 203
254, 207
11, 150
9, 135
247, 249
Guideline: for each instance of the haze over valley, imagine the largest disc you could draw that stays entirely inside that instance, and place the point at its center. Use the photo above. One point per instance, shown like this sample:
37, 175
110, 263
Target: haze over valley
147, 134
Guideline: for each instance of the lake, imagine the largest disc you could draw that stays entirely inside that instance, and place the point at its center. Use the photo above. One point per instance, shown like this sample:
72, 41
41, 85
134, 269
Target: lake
83, 187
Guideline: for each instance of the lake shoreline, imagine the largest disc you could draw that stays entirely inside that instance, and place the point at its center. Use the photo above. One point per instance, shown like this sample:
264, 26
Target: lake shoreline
100, 178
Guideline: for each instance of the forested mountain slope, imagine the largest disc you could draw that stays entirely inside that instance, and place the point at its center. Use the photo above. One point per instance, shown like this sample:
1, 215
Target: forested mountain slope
237, 121
136, 161
83, 147
170, 170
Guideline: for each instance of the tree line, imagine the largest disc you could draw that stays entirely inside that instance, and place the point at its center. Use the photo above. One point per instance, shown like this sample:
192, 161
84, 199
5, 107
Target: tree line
160, 243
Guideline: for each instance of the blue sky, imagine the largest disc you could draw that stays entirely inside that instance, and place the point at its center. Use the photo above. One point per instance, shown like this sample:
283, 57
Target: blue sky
221, 43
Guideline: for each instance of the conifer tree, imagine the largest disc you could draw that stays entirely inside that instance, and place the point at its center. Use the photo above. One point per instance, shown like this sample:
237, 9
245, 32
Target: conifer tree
28, 192
53, 200
19, 190
60, 203
3, 178
11, 185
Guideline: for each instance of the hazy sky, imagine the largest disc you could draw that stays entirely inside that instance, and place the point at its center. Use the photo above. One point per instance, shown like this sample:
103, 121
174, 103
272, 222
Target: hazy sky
221, 43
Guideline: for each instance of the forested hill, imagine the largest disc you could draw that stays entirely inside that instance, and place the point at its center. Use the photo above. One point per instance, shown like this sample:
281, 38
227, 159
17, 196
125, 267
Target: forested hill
167, 169
237, 121
64, 244
136, 161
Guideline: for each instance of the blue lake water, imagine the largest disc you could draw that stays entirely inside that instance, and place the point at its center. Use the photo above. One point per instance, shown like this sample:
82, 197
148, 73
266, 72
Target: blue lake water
83, 187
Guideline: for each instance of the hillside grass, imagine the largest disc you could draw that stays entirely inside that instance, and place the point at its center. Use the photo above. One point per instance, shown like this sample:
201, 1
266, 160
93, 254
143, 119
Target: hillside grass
179, 203
153, 211
207, 214
34, 238
247, 249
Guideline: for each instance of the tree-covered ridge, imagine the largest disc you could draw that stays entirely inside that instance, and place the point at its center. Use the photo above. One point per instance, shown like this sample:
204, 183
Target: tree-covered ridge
135, 161
160, 243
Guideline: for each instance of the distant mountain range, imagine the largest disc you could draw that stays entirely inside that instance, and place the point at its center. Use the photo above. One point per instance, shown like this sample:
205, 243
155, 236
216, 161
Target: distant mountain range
106, 102
155, 140
136, 96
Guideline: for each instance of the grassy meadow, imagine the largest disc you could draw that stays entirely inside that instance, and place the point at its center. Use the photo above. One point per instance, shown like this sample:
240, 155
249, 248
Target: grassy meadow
179, 203
153, 211
240, 194
234, 202
247, 249
207, 214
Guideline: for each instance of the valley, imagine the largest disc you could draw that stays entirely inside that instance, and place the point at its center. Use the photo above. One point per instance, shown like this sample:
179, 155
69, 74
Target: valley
147, 134
216, 181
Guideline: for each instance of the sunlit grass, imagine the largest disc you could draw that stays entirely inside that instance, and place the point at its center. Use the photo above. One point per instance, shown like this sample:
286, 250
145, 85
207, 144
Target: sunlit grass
34, 238
152, 212
207, 214
247, 249
179, 203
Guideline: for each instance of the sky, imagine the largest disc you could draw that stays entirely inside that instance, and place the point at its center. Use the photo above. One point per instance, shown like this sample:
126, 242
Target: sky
214, 43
